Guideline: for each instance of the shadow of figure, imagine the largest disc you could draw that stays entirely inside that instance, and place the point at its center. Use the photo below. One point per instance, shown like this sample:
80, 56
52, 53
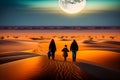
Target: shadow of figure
98, 72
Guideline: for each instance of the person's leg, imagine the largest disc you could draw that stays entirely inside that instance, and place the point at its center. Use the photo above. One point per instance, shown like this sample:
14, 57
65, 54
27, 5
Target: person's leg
53, 55
48, 57
75, 56
72, 55
64, 58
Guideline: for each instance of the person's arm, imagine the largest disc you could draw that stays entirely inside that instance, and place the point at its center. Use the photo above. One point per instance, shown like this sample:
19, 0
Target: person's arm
62, 49
77, 47
67, 50
55, 47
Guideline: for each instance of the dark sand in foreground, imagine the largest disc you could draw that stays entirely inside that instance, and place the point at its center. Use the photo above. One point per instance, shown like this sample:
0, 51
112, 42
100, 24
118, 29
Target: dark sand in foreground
40, 68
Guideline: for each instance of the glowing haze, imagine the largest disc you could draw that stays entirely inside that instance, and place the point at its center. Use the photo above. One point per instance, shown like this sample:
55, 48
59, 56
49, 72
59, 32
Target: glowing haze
48, 13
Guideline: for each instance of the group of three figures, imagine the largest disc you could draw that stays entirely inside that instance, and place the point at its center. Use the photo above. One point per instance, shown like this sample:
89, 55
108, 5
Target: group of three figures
73, 48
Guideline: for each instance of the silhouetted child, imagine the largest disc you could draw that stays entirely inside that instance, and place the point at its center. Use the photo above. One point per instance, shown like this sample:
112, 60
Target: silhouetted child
65, 52
49, 54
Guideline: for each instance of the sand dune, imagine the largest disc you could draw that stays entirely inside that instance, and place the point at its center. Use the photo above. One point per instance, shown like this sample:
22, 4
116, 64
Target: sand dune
15, 54
113, 42
102, 58
100, 72
8, 57
40, 68
96, 60
60, 70
105, 45
16, 45
86, 51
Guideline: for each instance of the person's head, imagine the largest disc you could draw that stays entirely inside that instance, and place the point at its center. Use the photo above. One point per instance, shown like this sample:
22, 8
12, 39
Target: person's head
52, 40
65, 45
74, 40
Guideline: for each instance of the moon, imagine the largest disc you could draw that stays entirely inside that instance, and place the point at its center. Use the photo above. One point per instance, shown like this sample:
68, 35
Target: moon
72, 6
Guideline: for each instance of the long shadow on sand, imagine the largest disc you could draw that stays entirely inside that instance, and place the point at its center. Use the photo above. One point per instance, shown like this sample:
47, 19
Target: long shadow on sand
99, 72
9, 57
60, 70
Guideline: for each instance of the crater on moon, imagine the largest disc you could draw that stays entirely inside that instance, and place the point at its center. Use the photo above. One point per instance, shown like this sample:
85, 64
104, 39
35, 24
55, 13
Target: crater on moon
72, 6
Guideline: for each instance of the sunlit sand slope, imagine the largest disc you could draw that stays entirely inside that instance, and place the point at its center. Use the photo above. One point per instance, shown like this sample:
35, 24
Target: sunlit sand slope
40, 68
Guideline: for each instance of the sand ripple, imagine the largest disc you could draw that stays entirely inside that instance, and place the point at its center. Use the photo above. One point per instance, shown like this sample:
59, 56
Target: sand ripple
60, 70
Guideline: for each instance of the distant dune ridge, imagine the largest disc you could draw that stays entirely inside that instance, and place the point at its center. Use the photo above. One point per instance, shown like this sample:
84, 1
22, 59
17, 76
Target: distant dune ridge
59, 27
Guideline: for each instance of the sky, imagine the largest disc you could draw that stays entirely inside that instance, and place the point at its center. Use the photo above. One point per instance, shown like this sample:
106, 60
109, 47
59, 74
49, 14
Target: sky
48, 13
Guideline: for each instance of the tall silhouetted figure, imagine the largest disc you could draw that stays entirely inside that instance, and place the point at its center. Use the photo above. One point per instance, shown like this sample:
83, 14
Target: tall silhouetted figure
65, 52
52, 48
74, 49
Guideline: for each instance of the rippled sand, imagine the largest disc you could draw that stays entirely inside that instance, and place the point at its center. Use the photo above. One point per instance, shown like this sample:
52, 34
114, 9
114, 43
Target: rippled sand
40, 68
26, 59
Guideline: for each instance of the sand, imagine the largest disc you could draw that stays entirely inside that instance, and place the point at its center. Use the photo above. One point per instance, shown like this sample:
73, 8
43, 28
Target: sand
96, 60
40, 68
16, 45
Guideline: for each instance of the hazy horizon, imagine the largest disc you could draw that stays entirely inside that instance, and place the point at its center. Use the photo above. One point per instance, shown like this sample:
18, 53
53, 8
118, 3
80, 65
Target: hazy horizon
48, 13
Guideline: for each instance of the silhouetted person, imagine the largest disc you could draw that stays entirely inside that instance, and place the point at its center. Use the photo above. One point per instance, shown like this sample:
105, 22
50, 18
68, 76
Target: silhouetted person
74, 49
52, 48
65, 52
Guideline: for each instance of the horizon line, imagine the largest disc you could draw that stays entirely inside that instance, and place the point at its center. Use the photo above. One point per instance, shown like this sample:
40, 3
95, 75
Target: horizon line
59, 27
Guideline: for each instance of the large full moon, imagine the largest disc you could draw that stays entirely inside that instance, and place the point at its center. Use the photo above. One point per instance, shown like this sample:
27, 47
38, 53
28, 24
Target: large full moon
72, 6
